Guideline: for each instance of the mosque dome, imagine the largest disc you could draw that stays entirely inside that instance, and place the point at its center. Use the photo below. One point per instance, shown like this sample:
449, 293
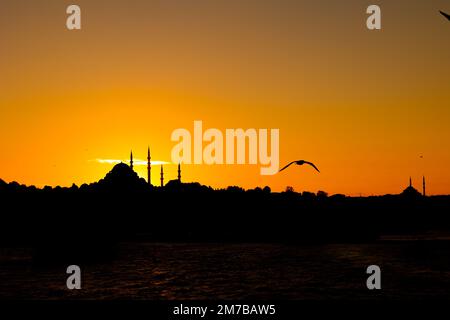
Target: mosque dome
122, 177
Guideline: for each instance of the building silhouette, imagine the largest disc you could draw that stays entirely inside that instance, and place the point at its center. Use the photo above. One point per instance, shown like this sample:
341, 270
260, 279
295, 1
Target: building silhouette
423, 186
149, 168
410, 191
131, 160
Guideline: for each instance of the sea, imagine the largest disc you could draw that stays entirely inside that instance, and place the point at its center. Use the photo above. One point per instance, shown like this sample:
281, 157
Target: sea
411, 269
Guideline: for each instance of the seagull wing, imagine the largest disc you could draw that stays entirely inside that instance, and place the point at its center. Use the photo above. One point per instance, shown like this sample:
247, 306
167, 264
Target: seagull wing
286, 166
312, 164
445, 15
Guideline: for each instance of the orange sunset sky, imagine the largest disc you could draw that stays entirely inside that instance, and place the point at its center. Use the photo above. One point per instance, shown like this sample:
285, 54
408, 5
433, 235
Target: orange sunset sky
363, 105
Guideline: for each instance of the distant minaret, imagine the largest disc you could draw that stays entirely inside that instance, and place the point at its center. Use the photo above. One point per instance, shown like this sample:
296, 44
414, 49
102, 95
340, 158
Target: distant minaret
131, 160
410, 182
162, 176
423, 186
179, 172
149, 168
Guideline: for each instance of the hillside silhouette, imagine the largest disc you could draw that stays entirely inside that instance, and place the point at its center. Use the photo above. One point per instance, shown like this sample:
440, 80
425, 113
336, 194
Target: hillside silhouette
91, 219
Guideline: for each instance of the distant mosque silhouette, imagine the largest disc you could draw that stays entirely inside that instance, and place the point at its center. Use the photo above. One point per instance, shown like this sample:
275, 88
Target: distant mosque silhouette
149, 169
410, 191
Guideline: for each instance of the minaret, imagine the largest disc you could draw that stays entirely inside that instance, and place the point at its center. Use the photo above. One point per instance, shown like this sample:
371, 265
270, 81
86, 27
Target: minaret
162, 176
410, 182
179, 172
149, 168
131, 160
423, 186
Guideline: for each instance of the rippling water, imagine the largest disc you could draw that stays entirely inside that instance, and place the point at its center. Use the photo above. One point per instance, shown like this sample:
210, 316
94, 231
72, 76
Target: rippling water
410, 269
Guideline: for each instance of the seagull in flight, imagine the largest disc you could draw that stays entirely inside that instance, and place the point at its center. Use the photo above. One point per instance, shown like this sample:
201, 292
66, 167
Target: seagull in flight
445, 15
300, 162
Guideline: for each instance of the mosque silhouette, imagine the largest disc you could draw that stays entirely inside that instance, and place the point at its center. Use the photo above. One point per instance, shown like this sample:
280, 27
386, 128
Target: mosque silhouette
122, 176
410, 191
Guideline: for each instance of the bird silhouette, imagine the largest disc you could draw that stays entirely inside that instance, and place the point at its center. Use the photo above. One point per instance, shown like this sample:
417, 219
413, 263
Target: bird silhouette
445, 15
300, 162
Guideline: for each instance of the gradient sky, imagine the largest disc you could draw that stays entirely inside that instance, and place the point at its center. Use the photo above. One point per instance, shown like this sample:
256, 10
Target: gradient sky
363, 105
